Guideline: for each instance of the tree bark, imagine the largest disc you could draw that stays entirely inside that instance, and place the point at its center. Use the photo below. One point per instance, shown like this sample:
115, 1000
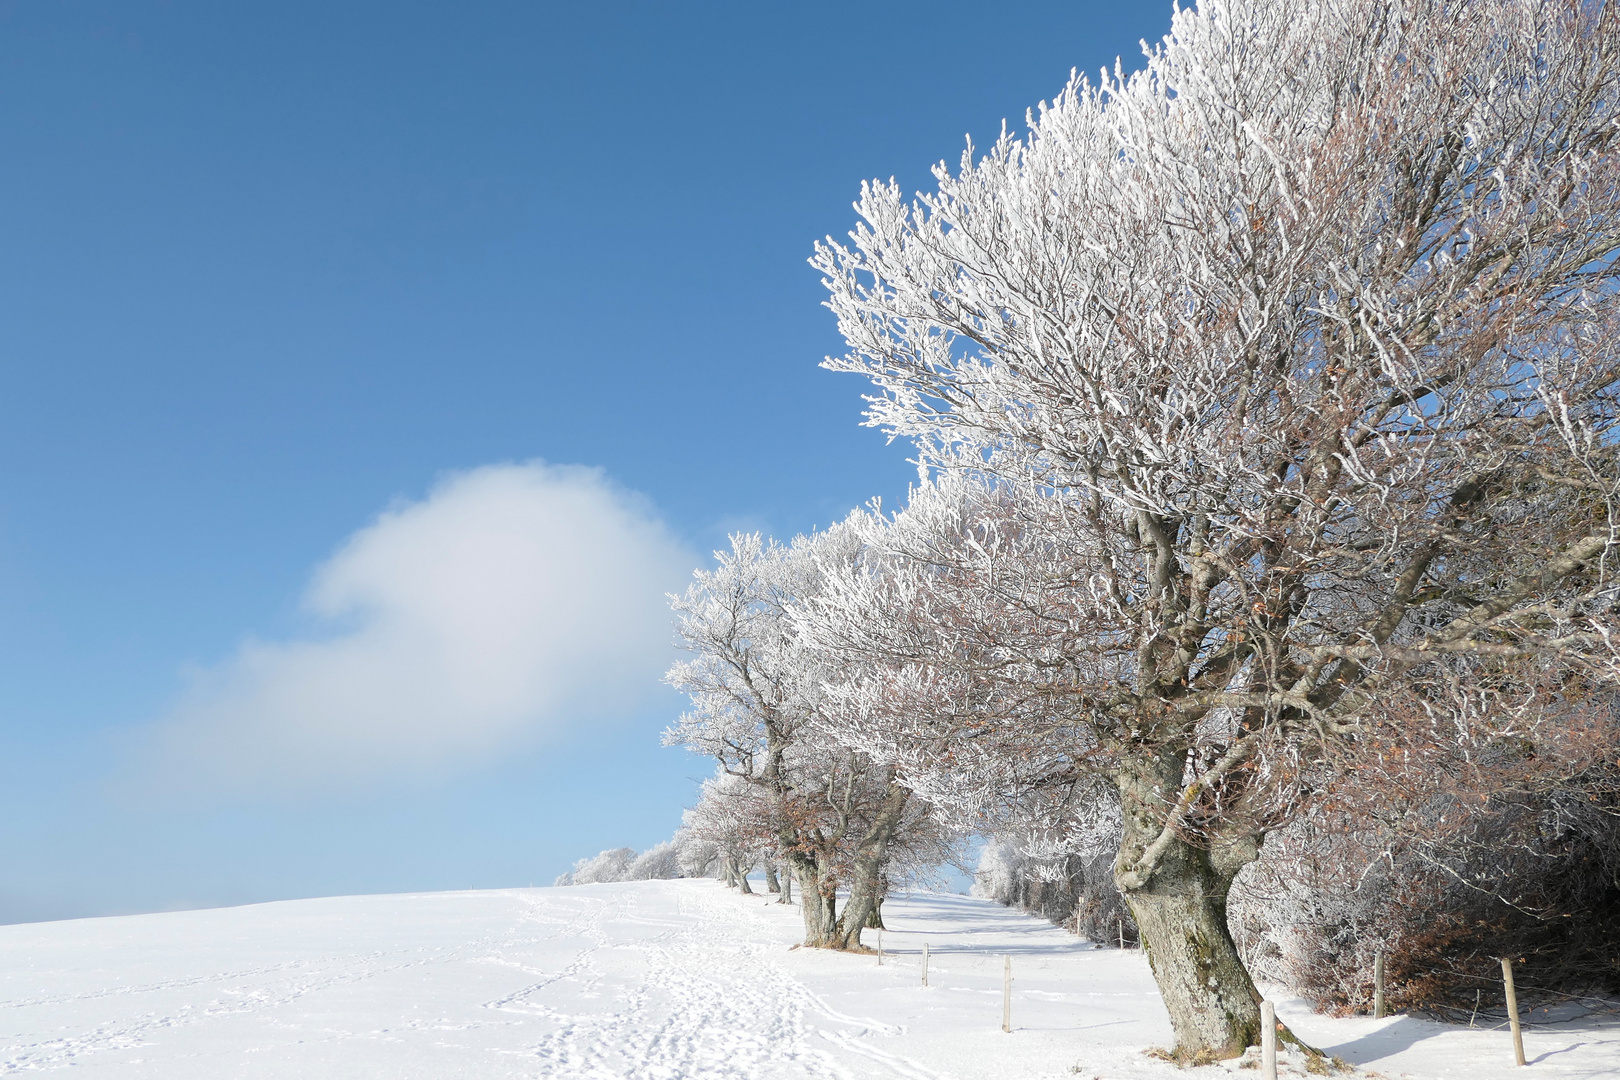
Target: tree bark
871, 855
820, 909
771, 884
787, 885
874, 921
1180, 913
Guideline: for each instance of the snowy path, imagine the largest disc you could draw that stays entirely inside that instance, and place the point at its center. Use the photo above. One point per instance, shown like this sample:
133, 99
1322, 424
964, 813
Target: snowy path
648, 980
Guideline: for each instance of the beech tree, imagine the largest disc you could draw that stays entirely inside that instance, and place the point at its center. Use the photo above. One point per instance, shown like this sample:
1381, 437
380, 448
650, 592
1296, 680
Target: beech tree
1280, 379
734, 817
758, 708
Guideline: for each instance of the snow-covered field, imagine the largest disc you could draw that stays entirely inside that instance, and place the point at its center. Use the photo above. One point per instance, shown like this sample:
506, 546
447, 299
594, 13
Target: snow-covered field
657, 980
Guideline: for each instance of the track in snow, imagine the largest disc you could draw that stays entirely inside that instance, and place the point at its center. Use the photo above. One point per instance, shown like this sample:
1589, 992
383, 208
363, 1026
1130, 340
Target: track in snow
645, 981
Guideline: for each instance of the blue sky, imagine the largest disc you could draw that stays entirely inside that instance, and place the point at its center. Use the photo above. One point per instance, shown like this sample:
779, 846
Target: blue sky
269, 271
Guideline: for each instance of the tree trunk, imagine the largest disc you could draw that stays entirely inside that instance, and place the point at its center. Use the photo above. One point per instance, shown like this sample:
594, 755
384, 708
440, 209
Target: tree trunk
874, 920
771, 884
818, 905
742, 878
820, 909
787, 885
1180, 913
728, 871
866, 884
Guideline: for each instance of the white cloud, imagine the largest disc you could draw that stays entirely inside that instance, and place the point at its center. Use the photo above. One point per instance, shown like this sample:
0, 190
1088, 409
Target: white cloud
512, 602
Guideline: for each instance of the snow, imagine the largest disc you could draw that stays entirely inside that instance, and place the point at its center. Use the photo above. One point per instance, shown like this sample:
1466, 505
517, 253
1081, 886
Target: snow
658, 980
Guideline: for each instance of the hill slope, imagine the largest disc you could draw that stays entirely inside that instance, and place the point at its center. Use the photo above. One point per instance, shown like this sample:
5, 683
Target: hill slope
658, 980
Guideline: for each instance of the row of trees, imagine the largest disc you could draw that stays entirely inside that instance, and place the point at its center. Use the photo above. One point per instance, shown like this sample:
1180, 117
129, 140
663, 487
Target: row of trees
836, 816
1265, 399
1441, 849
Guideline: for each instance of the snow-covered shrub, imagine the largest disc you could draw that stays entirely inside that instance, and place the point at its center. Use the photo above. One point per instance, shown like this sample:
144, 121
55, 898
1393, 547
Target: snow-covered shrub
1305, 914
696, 856
1076, 891
656, 863
607, 866
999, 872
1448, 853
623, 864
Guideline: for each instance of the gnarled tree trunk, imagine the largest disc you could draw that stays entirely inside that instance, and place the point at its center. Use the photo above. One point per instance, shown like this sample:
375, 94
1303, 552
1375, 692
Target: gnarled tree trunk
771, 884
819, 905
866, 883
1180, 912
874, 921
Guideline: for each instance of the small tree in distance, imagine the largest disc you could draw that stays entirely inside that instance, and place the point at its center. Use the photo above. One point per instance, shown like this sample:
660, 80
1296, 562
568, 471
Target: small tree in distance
757, 689
1263, 388
734, 817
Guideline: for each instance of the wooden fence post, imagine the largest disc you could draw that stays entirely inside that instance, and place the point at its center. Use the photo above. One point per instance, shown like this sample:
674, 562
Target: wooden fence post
1006, 998
1378, 985
925, 963
880, 946
1513, 1010
1268, 1041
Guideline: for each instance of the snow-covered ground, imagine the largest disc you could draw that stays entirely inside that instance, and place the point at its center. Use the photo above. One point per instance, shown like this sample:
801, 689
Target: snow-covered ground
656, 980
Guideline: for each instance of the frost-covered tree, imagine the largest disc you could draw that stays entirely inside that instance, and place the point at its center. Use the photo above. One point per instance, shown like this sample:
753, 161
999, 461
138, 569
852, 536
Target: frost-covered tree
695, 856
734, 817
611, 865
1289, 364
759, 709
658, 862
